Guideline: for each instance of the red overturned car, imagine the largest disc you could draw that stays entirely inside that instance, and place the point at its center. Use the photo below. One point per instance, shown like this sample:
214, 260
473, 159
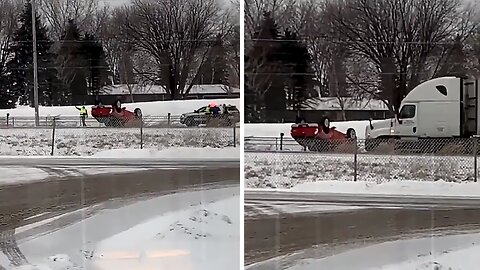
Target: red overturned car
117, 116
321, 137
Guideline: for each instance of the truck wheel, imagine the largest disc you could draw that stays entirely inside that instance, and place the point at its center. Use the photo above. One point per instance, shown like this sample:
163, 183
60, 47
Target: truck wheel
351, 133
325, 124
137, 112
117, 106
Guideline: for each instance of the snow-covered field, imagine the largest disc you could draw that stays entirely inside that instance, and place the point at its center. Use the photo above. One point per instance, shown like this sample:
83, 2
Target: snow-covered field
157, 108
421, 188
274, 130
452, 252
190, 230
286, 170
88, 141
84, 142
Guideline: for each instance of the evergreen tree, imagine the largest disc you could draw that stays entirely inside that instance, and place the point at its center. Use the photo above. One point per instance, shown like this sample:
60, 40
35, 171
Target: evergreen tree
73, 64
7, 97
19, 80
96, 64
262, 67
295, 60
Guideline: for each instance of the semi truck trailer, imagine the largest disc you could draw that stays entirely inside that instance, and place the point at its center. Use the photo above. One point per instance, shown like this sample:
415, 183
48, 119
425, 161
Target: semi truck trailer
442, 109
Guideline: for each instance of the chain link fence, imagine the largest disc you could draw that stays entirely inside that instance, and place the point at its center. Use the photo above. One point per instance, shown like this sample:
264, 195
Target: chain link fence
124, 120
60, 139
282, 164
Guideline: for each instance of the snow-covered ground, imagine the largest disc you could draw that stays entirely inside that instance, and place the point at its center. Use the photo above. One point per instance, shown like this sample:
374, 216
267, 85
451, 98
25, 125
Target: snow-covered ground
156, 108
286, 170
174, 153
11, 175
451, 252
85, 142
196, 230
254, 209
436, 188
16, 174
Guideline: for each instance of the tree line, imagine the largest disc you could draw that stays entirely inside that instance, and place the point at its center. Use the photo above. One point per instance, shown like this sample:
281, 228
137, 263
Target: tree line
83, 46
360, 49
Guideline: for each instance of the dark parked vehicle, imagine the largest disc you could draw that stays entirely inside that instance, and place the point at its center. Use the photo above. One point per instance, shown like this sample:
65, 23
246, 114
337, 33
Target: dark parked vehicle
228, 115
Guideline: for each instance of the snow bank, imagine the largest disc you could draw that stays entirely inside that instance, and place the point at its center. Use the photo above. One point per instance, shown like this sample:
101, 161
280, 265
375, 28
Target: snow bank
187, 230
86, 142
11, 175
173, 153
204, 237
16, 174
253, 209
437, 188
286, 170
155, 108
274, 130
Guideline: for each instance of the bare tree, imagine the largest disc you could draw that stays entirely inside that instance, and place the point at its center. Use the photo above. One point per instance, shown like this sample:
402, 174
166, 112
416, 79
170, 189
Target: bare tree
177, 34
399, 37
8, 25
57, 13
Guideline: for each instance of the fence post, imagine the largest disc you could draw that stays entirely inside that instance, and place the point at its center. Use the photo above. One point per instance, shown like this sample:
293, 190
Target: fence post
355, 160
141, 136
13, 121
234, 136
8, 116
168, 118
281, 141
53, 135
475, 156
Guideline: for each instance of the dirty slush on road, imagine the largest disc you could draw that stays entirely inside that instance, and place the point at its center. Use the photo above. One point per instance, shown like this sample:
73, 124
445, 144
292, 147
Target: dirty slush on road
329, 233
24, 204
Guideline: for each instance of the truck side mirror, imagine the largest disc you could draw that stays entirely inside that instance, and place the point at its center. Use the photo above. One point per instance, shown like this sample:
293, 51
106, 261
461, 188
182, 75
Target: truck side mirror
398, 119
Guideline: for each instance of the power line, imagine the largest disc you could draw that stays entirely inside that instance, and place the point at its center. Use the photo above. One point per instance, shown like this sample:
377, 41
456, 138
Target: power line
355, 42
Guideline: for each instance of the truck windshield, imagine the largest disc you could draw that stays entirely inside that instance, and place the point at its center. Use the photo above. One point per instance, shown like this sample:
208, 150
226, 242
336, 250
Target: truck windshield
408, 111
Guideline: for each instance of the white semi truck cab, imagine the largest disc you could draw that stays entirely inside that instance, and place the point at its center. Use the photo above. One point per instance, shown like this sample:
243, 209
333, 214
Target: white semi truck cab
446, 107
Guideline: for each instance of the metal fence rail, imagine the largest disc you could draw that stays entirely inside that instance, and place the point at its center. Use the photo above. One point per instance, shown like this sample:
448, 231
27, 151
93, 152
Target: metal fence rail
272, 163
168, 120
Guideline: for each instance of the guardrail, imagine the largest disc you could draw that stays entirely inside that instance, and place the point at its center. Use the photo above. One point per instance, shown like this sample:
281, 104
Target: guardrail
284, 162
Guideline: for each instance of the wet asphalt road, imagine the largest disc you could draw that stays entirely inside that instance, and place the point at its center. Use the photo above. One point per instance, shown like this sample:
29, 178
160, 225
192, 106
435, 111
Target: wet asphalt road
272, 235
18, 202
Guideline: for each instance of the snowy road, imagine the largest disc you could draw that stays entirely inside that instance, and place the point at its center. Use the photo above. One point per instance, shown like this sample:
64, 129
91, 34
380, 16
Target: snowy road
282, 233
25, 207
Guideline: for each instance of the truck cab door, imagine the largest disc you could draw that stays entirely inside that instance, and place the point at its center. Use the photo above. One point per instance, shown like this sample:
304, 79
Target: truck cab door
406, 123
